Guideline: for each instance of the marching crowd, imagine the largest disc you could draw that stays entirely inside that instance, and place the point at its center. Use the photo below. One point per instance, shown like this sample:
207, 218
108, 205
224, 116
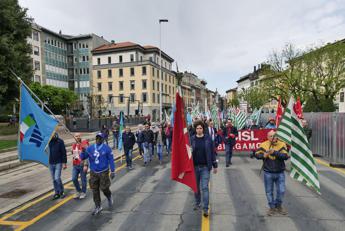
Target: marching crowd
153, 138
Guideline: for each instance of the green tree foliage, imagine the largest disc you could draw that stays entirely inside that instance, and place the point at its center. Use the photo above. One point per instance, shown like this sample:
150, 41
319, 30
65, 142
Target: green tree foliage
316, 75
15, 52
234, 102
255, 97
56, 98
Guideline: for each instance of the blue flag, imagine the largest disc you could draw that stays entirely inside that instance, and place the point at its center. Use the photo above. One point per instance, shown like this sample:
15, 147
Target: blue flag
120, 131
36, 129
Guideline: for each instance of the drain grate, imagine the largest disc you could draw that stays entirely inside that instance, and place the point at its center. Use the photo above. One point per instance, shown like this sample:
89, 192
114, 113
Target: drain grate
14, 193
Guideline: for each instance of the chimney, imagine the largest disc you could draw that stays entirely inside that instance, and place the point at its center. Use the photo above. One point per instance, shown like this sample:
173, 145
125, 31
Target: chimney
255, 68
60, 32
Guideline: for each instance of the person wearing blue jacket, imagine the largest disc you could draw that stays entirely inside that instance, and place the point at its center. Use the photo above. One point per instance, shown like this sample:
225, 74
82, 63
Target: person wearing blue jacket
57, 162
204, 159
100, 158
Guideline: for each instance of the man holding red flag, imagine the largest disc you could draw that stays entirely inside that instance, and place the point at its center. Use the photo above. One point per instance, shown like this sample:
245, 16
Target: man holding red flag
182, 163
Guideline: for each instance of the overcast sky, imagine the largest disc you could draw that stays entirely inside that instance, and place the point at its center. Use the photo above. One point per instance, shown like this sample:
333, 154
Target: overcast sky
219, 40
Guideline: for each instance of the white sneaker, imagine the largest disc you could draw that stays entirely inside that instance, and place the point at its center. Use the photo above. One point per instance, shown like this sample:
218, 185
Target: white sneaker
82, 195
77, 195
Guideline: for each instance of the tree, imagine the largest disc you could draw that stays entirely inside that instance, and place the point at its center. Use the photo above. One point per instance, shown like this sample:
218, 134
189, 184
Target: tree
56, 98
234, 102
316, 75
255, 97
15, 52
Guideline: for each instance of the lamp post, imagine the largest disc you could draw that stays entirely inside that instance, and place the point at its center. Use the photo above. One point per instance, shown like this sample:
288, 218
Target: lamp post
160, 67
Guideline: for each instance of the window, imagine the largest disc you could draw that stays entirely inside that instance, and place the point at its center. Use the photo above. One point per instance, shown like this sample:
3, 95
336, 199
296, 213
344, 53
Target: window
109, 59
121, 86
166, 79
37, 65
166, 89
150, 59
144, 84
157, 73
98, 61
36, 50
158, 99
132, 97
80, 71
120, 72
87, 71
99, 99
143, 70
121, 99
87, 58
35, 36
109, 73
132, 58
153, 71
132, 71
110, 86
99, 74
132, 84
120, 59
84, 58
153, 84
169, 90
153, 98
342, 97
83, 45
99, 86
79, 45
110, 97
169, 78
157, 86
144, 97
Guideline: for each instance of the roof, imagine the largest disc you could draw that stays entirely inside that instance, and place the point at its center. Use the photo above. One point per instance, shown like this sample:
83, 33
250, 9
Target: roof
124, 46
232, 89
243, 78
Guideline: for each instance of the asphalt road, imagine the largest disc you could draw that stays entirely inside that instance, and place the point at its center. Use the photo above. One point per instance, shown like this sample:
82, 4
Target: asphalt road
146, 199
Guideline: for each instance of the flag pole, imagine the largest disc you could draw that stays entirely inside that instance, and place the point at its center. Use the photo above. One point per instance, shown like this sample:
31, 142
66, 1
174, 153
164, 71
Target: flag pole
22, 82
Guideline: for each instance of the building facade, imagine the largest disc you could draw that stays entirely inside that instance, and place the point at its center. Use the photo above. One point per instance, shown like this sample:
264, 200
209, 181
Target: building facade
64, 61
127, 77
35, 41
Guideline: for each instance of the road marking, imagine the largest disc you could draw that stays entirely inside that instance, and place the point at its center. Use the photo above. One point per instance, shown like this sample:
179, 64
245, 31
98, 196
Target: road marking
35, 201
26, 224
45, 213
324, 163
205, 221
13, 223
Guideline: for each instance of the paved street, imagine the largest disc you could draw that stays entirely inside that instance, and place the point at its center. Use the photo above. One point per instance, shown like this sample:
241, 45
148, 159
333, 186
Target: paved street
146, 199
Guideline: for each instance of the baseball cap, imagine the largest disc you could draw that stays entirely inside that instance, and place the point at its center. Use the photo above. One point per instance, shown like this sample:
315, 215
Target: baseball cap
100, 134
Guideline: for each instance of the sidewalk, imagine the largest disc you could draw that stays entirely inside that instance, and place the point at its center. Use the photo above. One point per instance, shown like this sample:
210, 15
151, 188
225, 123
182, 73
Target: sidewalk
24, 183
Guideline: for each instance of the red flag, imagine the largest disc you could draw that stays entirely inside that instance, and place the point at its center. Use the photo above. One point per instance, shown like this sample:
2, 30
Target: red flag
182, 167
298, 108
279, 112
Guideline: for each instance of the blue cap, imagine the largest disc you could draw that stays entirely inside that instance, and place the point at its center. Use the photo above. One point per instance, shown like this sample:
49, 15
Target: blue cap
100, 134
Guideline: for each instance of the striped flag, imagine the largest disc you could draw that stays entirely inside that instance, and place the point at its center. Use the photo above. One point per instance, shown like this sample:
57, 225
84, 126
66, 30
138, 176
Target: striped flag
303, 167
241, 118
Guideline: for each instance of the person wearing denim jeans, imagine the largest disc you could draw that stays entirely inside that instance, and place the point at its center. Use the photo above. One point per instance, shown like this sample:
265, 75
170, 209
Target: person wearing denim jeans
148, 143
273, 152
168, 135
159, 143
128, 140
78, 166
203, 159
57, 162
229, 134
140, 139
115, 131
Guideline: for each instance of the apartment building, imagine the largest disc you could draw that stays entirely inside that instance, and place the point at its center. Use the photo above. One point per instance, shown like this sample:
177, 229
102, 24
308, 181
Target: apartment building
127, 77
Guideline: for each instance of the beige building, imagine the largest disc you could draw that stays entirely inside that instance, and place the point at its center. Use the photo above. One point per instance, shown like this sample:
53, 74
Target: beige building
126, 77
35, 41
231, 94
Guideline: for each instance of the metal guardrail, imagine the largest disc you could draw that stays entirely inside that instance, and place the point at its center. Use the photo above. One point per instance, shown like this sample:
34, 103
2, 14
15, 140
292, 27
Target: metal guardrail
328, 134
92, 125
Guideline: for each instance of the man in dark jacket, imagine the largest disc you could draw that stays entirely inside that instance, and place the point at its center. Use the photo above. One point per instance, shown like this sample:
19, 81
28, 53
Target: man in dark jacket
203, 159
128, 140
57, 162
148, 143
273, 152
140, 139
229, 134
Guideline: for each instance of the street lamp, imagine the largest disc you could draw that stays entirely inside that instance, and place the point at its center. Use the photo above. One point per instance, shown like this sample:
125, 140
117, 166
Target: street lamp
160, 67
